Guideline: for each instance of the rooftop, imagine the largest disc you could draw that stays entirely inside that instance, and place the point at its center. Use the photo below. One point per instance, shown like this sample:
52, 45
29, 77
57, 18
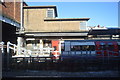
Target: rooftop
36, 7
66, 19
109, 31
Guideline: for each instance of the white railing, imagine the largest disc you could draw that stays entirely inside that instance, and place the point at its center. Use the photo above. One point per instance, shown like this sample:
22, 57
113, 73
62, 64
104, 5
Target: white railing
2, 46
13, 47
24, 52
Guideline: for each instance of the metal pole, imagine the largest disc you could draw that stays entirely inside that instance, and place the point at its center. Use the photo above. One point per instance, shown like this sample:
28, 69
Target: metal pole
8, 52
21, 28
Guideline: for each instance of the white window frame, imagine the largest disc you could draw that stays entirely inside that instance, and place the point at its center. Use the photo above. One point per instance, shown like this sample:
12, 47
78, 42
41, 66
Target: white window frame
86, 28
47, 13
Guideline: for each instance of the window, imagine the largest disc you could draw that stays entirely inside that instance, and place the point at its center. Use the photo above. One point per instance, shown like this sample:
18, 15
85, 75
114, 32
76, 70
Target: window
75, 48
83, 26
111, 47
92, 48
50, 13
103, 47
119, 47
85, 48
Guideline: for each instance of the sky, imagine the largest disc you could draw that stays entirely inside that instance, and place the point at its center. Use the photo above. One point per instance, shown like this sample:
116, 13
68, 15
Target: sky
100, 13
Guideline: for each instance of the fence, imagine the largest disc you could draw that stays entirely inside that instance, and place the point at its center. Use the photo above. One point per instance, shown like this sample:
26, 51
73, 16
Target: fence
25, 52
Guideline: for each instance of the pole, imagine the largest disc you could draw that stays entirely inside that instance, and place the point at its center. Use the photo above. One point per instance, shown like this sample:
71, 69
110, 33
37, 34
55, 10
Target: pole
8, 54
21, 28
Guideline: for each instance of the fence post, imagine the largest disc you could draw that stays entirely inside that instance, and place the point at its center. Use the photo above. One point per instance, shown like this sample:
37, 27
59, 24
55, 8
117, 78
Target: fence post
2, 48
8, 44
8, 56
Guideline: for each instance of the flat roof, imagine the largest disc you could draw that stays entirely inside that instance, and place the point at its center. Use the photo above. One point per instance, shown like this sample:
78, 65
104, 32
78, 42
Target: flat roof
36, 7
109, 31
66, 19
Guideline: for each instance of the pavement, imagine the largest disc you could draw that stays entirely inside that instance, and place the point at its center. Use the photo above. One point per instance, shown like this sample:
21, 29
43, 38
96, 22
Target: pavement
53, 73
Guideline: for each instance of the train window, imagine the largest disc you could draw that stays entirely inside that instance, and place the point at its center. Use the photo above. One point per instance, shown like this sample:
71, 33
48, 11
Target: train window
110, 47
102, 43
62, 47
119, 47
75, 48
92, 48
103, 47
84, 48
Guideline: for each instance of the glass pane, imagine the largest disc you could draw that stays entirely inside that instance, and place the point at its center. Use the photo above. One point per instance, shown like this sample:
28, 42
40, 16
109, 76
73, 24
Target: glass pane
50, 13
92, 48
83, 25
75, 48
110, 47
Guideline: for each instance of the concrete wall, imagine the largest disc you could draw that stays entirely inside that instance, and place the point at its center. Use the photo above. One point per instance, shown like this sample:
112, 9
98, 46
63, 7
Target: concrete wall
34, 22
62, 26
34, 19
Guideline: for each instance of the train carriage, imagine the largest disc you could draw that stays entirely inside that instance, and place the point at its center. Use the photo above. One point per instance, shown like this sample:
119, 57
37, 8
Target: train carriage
76, 50
119, 47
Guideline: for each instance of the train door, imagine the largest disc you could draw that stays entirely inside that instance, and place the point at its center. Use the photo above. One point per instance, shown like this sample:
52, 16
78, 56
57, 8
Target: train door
55, 45
91, 49
67, 48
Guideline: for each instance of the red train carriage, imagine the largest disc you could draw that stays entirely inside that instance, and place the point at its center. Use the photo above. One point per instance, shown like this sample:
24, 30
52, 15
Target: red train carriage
107, 48
76, 50
119, 47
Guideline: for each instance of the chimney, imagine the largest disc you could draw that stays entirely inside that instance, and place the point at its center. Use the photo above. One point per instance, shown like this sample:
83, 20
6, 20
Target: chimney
98, 26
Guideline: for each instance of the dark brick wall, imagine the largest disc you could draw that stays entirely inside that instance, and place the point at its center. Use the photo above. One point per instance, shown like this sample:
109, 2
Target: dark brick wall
12, 10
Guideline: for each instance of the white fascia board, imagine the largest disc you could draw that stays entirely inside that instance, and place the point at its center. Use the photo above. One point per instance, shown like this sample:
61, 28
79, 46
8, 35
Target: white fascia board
61, 34
9, 21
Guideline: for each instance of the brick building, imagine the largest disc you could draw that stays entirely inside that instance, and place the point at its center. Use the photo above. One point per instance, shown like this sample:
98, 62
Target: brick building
10, 19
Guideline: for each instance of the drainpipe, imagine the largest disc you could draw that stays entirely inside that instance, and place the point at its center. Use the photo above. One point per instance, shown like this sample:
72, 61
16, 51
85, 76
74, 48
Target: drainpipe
19, 39
21, 14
